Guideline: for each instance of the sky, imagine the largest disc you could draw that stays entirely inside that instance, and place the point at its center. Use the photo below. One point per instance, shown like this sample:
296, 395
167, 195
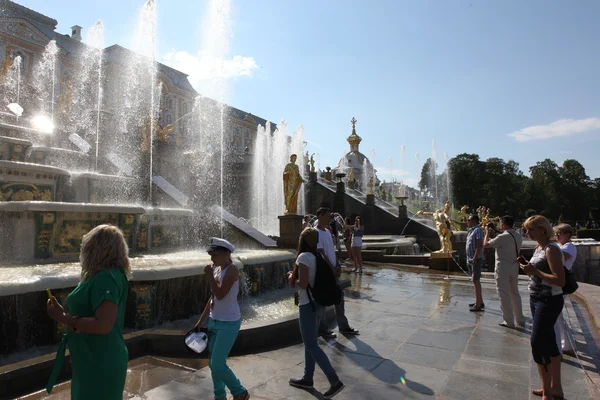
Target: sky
511, 79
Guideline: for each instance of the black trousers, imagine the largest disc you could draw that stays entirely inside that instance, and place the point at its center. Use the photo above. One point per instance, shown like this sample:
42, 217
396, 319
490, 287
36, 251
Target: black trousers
545, 312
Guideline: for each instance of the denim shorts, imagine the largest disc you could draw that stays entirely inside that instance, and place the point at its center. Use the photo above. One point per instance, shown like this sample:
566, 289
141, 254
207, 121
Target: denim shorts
475, 267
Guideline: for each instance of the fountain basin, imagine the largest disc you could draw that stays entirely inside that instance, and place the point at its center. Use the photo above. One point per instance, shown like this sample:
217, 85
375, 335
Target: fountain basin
20, 181
13, 149
390, 244
59, 157
51, 231
163, 288
89, 187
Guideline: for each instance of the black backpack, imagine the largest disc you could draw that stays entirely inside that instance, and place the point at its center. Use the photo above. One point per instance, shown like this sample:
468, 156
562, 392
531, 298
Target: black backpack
326, 290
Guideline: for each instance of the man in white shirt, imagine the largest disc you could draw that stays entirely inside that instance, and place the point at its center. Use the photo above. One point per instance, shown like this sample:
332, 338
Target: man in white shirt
508, 247
326, 247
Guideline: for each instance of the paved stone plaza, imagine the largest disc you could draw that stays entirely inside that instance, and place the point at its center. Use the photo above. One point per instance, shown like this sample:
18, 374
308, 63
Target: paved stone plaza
413, 326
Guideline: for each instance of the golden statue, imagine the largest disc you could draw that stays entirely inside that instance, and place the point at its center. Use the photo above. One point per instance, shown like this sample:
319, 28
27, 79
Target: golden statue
65, 99
486, 219
371, 185
312, 163
6, 64
351, 176
160, 134
463, 213
443, 225
292, 180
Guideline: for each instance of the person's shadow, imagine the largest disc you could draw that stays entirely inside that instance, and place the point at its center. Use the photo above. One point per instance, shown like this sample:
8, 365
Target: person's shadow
391, 374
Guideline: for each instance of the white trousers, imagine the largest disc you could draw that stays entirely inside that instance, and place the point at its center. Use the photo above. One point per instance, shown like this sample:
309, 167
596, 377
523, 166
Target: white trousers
507, 285
564, 337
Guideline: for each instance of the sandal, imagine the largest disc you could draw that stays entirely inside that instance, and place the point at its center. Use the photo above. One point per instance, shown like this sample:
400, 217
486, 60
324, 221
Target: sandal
540, 392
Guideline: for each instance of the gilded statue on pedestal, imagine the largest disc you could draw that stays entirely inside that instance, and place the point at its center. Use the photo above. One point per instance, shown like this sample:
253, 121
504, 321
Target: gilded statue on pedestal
160, 134
463, 213
371, 185
443, 225
292, 180
312, 162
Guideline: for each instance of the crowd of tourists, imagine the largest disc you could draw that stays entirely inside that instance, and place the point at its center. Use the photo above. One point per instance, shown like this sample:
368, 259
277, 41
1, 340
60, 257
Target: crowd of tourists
550, 279
95, 311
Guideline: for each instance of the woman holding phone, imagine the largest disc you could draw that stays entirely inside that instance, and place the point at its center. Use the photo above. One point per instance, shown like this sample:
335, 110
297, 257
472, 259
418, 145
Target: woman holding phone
547, 276
95, 315
224, 318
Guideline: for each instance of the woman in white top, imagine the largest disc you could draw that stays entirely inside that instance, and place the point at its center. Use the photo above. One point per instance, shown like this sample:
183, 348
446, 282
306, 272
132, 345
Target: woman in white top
564, 337
224, 318
311, 312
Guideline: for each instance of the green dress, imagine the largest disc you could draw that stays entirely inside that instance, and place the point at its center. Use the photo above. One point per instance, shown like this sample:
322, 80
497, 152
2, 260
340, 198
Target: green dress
99, 361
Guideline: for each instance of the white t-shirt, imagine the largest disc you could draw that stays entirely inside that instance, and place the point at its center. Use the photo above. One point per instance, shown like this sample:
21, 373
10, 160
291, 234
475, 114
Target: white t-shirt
569, 248
310, 261
326, 243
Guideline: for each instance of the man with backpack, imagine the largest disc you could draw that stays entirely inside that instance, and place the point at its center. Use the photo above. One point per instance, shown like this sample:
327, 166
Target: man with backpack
326, 247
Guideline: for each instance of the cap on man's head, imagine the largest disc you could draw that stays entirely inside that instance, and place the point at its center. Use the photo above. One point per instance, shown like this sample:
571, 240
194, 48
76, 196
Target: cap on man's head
322, 210
217, 244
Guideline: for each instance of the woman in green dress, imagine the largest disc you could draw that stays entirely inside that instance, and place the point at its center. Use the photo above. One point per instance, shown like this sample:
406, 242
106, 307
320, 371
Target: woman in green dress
94, 315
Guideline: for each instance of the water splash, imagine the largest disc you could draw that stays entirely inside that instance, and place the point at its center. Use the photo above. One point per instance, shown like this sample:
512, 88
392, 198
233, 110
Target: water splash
11, 85
271, 154
45, 79
402, 158
433, 174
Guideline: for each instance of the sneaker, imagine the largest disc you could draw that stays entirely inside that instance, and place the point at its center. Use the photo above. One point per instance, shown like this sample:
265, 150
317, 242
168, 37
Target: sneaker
243, 396
476, 308
473, 305
333, 390
328, 334
301, 383
349, 331
506, 325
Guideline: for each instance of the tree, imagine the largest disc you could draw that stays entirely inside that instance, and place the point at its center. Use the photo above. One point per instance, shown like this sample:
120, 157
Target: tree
576, 189
544, 189
502, 188
467, 176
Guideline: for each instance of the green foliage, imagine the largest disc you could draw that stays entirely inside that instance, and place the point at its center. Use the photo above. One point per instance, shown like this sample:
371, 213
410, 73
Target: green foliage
530, 213
559, 192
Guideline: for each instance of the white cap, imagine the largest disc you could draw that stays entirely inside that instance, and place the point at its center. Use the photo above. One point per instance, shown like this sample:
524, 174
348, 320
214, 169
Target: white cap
220, 244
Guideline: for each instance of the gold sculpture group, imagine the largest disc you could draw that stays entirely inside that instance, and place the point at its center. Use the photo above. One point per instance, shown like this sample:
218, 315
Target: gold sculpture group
444, 223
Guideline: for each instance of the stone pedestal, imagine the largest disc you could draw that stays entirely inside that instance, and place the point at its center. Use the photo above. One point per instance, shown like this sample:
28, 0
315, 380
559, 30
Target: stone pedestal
328, 175
290, 227
370, 199
402, 211
442, 261
312, 176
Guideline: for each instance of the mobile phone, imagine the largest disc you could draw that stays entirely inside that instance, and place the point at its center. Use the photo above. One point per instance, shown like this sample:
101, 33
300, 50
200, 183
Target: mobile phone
522, 260
49, 293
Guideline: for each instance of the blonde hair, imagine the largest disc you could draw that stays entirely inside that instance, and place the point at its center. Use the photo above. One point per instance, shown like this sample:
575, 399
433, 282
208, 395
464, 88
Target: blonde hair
539, 221
565, 228
103, 247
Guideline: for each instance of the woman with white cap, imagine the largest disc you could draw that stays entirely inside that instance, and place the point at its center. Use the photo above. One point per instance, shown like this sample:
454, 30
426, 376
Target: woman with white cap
224, 318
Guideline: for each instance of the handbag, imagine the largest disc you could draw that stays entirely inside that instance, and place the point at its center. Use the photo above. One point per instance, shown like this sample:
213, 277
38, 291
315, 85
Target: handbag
570, 285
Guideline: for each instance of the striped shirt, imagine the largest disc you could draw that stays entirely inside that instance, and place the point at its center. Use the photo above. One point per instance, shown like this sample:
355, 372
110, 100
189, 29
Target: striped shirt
474, 233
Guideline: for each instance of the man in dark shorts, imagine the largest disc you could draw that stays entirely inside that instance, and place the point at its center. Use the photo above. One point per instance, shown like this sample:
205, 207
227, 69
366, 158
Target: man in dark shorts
475, 259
